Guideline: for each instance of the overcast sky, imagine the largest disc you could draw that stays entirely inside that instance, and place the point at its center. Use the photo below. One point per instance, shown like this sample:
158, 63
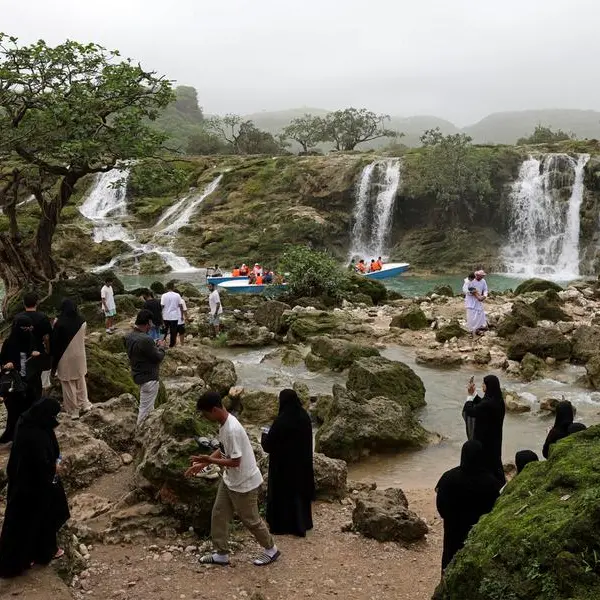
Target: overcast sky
458, 59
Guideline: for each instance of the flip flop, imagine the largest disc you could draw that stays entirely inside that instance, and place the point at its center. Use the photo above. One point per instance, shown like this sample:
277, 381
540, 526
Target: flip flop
209, 559
264, 559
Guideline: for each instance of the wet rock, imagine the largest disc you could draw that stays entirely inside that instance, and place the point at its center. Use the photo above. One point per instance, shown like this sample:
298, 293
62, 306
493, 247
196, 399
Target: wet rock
114, 422
536, 285
315, 363
412, 318
289, 356
438, 358
108, 374
248, 335
270, 315
222, 377
357, 426
532, 367
482, 356
586, 343
339, 354
447, 332
319, 410
540, 341
310, 323
378, 376
516, 404
258, 407
384, 516
331, 477
592, 369
549, 403
547, 307
521, 315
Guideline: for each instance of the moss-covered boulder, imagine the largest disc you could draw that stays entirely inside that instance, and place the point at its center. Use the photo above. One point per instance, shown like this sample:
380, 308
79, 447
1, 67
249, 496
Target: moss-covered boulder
542, 539
452, 330
114, 343
319, 409
541, 341
248, 335
186, 289
128, 305
592, 369
547, 308
521, 315
270, 315
378, 376
158, 287
358, 285
443, 290
357, 426
532, 367
307, 324
412, 318
536, 285
340, 354
586, 343
108, 375
258, 407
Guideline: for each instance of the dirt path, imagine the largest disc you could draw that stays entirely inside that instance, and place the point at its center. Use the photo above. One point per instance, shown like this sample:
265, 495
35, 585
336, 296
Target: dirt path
327, 564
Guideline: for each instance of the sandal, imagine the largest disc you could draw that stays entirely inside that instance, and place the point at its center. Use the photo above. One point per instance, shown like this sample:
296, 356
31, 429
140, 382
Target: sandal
209, 559
264, 559
59, 554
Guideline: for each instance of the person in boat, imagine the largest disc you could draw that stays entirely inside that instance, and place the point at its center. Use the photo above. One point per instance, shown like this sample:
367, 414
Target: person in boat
259, 279
372, 266
476, 292
252, 278
379, 263
267, 276
236, 272
257, 270
216, 272
563, 421
464, 494
244, 270
361, 267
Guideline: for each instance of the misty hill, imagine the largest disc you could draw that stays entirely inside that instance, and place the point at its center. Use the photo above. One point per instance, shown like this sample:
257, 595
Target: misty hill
508, 127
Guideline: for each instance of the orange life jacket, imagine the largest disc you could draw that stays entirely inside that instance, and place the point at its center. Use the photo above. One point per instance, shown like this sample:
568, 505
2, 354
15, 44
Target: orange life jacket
259, 280
235, 273
361, 267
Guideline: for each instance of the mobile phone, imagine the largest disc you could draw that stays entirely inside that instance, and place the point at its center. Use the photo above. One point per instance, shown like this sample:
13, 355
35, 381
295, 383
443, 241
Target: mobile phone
472, 380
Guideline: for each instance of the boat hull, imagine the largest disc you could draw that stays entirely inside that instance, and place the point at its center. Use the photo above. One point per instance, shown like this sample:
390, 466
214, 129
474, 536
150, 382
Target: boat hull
390, 270
224, 278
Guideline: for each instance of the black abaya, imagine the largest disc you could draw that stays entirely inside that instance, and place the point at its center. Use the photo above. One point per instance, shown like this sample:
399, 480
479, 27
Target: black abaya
36, 505
562, 422
488, 413
464, 494
291, 487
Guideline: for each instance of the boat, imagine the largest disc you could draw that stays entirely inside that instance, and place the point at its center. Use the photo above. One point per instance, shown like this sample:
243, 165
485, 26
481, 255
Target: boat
388, 270
243, 287
224, 278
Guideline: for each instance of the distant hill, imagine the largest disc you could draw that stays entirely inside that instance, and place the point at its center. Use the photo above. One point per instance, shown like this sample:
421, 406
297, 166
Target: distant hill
508, 127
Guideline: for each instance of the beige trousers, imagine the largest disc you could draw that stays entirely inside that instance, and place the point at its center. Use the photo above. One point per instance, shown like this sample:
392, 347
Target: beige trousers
75, 396
245, 506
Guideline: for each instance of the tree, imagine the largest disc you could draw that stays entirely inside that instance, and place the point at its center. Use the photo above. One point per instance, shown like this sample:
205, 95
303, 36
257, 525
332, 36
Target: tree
228, 128
349, 127
308, 131
544, 135
65, 112
206, 142
243, 136
186, 101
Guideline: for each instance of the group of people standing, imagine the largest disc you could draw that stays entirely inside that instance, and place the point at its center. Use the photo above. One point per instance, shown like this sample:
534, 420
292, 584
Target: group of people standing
467, 492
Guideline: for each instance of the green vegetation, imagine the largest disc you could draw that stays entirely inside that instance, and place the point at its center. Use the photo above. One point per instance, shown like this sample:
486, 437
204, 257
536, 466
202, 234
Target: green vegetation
544, 135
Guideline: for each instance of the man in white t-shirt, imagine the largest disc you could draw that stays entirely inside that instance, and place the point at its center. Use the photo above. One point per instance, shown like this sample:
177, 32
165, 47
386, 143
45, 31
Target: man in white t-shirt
215, 308
238, 490
108, 304
172, 312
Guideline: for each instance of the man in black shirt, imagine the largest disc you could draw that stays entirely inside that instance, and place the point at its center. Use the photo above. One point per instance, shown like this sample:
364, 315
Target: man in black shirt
152, 304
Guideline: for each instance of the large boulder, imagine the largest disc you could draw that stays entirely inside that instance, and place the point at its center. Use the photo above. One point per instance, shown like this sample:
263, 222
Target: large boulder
447, 332
412, 318
114, 422
385, 517
308, 324
586, 343
108, 374
542, 538
270, 315
592, 369
443, 290
331, 477
340, 354
222, 377
532, 367
258, 407
244, 334
536, 285
378, 376
541, 341
168, 441
363, 286
521, 315
438, 358
357, 426
547, 308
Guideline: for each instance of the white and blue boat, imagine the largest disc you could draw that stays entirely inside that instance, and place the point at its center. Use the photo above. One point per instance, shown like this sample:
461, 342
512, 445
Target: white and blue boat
226, 277
388, 270
243, 287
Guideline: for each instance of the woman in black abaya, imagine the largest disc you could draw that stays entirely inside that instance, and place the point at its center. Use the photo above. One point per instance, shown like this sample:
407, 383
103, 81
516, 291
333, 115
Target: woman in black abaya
488, 415
291, 487
464, 494
563, 425
36, 506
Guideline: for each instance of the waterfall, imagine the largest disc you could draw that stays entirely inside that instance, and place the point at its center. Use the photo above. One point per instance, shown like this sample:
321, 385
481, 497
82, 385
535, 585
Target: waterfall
106, 207
375, 197
544, 229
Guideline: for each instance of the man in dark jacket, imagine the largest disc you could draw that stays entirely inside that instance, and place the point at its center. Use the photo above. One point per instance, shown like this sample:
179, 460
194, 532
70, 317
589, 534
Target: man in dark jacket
145, 356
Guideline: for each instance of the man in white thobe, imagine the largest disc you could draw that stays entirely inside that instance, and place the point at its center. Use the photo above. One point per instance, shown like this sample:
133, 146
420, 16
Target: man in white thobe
476, 292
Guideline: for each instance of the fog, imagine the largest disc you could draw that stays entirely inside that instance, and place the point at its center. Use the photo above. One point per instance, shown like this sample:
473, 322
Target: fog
458, 59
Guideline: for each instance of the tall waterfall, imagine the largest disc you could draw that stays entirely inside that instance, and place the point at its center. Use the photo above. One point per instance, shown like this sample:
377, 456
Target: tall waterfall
375, 197
544, 228
106, 208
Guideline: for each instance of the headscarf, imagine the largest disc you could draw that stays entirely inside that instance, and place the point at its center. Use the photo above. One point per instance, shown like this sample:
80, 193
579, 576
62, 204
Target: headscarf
564, 416
67, 325
524, 457
288, 401
492, 388
471, 457
43, 414
576, 428
480, 273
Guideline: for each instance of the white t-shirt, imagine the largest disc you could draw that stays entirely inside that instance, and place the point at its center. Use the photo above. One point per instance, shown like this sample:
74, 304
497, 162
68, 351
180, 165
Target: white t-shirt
171, 301
181, 321
214, 300
236, 444
107, 294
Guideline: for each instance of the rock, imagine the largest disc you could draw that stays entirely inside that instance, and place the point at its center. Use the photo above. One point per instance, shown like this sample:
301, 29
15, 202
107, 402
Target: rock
126, 459
290, 356
270, 315
482, 356
547, 308
259, 407
308, 324
248, 335
566, 327
586, 343
360, 286
319, 410
85, 507
532, 367
303, 393
108, 375
547, 515
521, 315
356, 426
549, 403
339, 354
438, 358
128, 305
185, 371
115, 343
412, 318
592, 368
536, 285
315, 363
114, 422
385, 517
331, 477
447, 332
185, 288
222, 377
378, 376
515, 404
540, 341
443, 290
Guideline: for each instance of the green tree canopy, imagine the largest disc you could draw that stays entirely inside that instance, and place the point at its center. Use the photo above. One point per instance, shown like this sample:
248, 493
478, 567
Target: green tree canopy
349, 127
186, 102
242, 136
544, 135
65, 112
308, 131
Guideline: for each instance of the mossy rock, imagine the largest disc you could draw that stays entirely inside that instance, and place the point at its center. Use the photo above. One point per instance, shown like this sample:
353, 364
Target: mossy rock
549, 310
592, 369
319, 409
158, 287
108, 374
259, 407
586, 343
186, 289
128, 305
541, 341
115, 343
521, 315
270, 315
452, 330
412, 318
139, 292
308, 324
543, 536
364, 286
339, 354
315, 363
92, 313
443, 290
536, 285
532, 367
378, 376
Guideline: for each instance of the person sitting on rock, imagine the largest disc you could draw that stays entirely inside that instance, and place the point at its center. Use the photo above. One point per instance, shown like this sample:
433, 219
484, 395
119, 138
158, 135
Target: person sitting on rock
464, 494
523, 458
562, 422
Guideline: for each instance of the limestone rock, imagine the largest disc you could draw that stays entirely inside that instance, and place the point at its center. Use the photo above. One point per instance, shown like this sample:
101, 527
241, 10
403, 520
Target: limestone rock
384, 516
85, 507
547, 307
290, 356
536, 285
482, 356
447, 332
532, 367
259, 407
412, 318
319, 409
270, 315
592, 368
339, 354
222, 377
541, 341
308, 324
586, 343
515, 404
378, 376
521, 315
331, 477
438, 358
549, 403
248, 335
315, 363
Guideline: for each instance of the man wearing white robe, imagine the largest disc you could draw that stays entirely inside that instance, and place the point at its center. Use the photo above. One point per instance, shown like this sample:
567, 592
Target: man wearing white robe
476, 291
